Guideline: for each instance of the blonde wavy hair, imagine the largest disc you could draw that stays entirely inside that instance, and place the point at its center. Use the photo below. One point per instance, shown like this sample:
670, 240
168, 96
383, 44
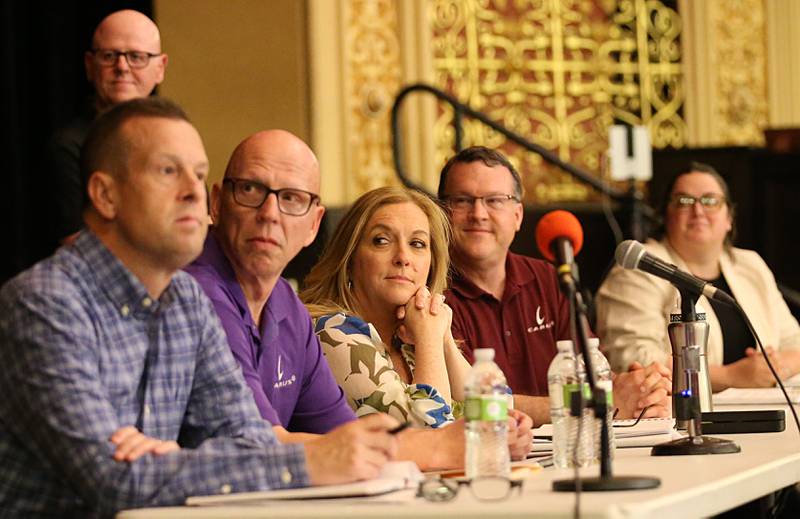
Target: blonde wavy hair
327, 286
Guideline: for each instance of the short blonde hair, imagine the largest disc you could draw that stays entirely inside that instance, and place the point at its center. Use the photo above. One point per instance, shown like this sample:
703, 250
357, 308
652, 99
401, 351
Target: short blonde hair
327, 286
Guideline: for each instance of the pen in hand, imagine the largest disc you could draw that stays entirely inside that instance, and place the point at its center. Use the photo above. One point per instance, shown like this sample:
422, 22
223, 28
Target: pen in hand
400, 428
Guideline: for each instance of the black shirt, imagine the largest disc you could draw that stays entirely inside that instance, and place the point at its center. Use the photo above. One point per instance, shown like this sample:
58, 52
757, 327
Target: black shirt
62, 170
735, 335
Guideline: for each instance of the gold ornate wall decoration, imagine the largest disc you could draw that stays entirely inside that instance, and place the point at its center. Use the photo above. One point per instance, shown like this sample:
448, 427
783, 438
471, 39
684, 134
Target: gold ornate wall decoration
559, 72
640, 70
372, 78
741, 88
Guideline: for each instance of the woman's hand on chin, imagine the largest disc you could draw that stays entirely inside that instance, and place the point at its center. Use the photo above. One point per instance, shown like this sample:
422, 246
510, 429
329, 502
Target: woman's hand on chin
424, 318
421, 299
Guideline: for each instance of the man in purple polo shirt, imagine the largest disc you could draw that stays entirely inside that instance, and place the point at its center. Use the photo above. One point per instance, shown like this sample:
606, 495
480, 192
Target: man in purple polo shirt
254, 238
510, 302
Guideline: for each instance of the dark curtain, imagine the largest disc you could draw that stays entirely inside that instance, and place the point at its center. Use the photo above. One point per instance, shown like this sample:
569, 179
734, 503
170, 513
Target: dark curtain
43, 86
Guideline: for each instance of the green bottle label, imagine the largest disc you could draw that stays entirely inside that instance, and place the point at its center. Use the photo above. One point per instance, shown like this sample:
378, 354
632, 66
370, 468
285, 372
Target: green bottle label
607, 385
587, 393
573, 388
486, 408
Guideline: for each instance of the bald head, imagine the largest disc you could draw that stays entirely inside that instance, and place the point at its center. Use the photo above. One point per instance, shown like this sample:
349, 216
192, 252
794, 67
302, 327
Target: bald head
128, 24
277, 150
260, 230
124, 31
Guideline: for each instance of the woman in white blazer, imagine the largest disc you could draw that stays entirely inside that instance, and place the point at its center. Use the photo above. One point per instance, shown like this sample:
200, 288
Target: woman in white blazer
633, 307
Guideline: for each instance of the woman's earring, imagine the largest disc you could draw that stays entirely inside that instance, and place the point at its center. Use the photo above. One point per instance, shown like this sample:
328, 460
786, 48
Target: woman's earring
349, 284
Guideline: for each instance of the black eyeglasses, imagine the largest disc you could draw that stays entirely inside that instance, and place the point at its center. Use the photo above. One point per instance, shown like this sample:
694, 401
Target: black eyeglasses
493, 202
135, 58
709, 201
492, 488
294, 202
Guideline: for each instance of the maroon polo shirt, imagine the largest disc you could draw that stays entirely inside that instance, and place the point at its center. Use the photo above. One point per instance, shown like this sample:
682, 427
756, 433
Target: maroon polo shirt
522, 328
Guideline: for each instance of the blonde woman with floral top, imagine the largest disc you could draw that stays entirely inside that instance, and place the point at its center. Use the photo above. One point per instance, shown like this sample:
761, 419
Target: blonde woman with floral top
385, 334
372, 384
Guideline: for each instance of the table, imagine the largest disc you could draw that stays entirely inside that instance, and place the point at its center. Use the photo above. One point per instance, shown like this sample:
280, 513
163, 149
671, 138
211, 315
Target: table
691, 486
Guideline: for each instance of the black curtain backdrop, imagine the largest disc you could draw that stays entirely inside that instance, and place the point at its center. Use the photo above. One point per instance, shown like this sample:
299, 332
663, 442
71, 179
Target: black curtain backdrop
43, 86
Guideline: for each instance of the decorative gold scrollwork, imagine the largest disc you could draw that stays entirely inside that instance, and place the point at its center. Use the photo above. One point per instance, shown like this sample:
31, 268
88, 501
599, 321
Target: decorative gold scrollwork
559, 72
741, 88
374, 76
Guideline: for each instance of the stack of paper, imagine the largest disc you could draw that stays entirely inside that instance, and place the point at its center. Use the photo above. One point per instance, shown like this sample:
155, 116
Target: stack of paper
648, 432
396, 475
645, 427
756, 396
519, 470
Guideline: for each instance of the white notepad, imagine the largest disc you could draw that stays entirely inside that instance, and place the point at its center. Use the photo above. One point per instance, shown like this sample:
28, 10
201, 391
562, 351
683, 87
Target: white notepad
648, 432
395, 475
756, 396
645, 427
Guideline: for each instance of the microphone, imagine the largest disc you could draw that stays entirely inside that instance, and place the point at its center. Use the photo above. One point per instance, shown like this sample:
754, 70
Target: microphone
559, 236
630, 254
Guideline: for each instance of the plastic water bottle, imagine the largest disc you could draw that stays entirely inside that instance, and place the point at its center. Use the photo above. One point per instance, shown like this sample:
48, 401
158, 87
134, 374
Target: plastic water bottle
486, 413
565, 376
602, 378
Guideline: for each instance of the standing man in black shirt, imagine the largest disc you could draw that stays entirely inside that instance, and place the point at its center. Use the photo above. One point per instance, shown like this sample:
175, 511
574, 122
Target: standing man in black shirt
125, 62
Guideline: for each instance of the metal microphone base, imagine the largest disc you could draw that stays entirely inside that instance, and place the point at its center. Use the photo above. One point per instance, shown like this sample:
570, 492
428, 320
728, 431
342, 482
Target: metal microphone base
696, 445
607, 484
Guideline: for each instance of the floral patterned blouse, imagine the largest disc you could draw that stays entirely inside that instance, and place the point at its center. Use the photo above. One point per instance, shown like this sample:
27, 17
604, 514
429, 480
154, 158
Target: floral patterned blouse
363, 368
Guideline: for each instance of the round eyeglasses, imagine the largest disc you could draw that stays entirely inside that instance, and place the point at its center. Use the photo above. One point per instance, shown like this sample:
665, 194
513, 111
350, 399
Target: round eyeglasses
135, 58
249, 193
490, 488
709, 201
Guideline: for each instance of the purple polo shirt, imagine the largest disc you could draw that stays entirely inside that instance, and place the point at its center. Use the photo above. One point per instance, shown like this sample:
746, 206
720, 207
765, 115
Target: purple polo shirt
281, 359
522, 327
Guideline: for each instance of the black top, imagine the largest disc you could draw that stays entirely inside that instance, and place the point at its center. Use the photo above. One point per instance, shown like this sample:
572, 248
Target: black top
735, 335
62, 163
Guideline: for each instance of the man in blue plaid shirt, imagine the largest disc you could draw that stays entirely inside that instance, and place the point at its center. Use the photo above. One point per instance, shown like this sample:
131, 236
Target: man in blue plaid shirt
119, 388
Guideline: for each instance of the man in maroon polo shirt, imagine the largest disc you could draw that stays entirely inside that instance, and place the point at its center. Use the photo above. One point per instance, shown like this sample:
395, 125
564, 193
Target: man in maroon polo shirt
512, 303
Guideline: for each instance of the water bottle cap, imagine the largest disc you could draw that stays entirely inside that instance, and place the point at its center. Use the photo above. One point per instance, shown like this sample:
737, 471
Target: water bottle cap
484, 354
564, 346
594, 343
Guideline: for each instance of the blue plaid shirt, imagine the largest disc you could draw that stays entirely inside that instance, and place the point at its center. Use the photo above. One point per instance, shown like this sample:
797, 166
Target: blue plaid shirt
85, 351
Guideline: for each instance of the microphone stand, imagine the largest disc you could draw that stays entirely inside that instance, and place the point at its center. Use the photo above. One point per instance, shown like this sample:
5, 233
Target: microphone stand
636, 203
606, 481
687, 402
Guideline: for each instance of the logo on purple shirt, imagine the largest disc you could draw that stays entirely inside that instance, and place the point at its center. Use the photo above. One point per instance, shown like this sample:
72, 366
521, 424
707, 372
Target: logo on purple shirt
283, 383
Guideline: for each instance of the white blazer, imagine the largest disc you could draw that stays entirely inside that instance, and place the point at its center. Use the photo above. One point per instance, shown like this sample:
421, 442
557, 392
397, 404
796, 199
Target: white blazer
633, 308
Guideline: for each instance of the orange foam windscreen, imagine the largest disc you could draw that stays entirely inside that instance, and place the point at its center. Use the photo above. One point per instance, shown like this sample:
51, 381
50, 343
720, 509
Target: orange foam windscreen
558, 224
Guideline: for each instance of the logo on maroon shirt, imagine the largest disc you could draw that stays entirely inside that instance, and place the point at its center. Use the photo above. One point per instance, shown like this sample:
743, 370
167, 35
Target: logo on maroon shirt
540, 322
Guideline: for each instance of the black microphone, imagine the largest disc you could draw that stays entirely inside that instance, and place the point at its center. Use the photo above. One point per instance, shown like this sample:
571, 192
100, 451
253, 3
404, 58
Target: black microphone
630, 254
